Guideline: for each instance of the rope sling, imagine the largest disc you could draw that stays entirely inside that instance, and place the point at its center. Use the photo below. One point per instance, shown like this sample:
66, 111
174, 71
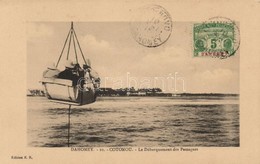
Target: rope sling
71, 36
88, 97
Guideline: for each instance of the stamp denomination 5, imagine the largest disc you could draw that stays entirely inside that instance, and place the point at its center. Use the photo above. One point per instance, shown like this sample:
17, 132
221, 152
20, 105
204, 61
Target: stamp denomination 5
215, 39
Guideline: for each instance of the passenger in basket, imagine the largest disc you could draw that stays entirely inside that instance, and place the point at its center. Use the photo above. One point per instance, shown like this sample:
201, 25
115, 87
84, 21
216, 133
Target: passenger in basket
93, 75
79, 72
51, 72
69, 74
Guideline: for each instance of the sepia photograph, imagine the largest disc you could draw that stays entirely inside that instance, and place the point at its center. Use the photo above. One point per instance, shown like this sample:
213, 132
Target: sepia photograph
148, 83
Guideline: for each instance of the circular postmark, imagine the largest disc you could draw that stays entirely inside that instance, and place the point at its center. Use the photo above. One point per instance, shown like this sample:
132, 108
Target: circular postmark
218, 37
151, 25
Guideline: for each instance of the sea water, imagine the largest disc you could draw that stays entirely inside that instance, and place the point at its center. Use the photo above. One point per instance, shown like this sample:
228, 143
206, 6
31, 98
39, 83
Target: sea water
135, 122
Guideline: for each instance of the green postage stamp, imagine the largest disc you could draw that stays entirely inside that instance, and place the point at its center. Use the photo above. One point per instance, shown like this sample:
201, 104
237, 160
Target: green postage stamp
214, 39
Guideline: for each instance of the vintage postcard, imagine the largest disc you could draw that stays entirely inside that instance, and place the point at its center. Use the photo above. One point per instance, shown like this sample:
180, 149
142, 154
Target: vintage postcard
129, 81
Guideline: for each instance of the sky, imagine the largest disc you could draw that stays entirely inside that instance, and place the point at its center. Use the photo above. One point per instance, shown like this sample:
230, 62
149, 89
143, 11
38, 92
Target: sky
122, 62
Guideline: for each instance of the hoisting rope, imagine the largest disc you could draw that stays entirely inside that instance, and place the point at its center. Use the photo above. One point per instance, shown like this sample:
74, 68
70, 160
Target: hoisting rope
71, 34
69, 126
75, 48
63, 48
80, 48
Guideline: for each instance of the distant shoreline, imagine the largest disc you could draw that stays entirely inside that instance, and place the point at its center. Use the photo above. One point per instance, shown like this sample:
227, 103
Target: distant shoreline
165, 95
132, 92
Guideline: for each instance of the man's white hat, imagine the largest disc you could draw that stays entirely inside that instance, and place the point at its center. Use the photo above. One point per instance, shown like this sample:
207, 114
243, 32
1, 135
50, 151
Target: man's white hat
51, 66
69, 64
74, 62
88, 62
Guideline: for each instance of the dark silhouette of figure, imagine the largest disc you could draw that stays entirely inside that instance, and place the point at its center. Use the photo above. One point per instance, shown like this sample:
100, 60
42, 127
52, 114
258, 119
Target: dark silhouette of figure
69, 73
